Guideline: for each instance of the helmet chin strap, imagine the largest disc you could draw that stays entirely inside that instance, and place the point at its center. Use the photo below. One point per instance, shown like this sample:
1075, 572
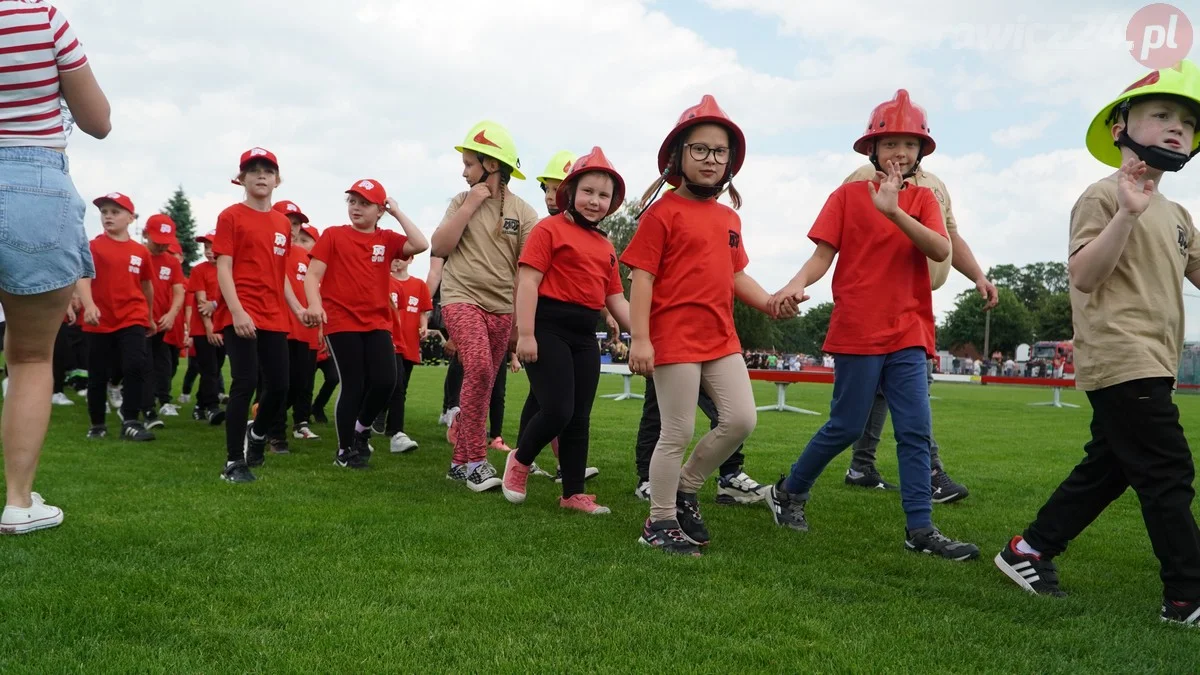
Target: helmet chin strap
579, 217
1155, 157
553, 210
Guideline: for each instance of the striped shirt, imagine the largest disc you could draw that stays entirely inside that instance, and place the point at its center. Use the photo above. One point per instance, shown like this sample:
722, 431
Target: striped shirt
36, 44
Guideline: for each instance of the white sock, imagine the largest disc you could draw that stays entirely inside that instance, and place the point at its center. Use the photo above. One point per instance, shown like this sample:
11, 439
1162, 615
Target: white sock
1025, 548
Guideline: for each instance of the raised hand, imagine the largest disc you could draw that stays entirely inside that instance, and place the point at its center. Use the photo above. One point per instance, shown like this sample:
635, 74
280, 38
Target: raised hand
1130, 197
887, 197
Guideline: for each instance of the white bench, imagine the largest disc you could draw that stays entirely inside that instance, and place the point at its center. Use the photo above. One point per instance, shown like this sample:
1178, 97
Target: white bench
621, 369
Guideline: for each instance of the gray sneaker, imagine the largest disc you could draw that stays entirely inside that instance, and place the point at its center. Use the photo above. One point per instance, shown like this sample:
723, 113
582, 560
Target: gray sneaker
786, 508
457, 472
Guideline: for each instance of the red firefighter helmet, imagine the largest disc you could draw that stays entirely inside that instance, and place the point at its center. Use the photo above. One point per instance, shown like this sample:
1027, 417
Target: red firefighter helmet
897, 116
707, 111
593, 161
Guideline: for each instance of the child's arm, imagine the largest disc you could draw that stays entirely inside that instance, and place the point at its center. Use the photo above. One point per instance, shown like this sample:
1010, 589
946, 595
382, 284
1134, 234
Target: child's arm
812, 272
446, 236
1092, 264
417, 243
293, 302
148, 291
91, 313
243, 325
529, 279
746, 289
424, 329
641, 352
315, 314
616, 309
434, 280
177, 296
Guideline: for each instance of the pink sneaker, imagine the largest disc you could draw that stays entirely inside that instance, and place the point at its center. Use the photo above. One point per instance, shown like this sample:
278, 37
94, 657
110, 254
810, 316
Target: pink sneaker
516, 475
498, 445
585, 503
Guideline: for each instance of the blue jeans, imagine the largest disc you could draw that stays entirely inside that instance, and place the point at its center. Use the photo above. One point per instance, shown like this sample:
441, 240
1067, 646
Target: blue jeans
43, 246
902, 378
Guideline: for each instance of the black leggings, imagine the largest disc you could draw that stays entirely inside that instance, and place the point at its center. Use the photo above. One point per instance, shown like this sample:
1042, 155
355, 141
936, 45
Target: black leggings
327, 386
453, 383
563, 381
190, 375
62, 358
366, 366
208, 361
128, 347
303, 362
268, 350
395, 411
159, 391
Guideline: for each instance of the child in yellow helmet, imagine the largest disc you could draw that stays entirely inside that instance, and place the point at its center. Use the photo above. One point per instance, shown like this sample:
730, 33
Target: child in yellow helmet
1130, 250
481, 237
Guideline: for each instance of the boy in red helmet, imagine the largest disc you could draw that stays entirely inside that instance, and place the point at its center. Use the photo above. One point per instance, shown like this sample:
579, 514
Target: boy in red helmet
862, 471
882, 330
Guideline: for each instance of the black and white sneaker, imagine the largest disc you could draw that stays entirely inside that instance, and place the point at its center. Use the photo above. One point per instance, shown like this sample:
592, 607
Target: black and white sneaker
97, 431
302, 432
1030, 572
197, 413
687, 511
786, 508
666, 536
1186, 614
254, 448
350, 459
945, 490
868, 479
483, 478
362, 445
237, 472
153, 421
930, 540
740, 489
457, 473
134, 431
380, 424
214, 416
588, 474
642, 491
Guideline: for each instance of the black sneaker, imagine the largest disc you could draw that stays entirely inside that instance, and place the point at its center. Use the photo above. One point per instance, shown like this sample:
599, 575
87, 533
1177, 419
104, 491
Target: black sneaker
930, 540
1030, 572
197, 413
350, 459
945, 490
153, 421
279, 446
255, 448
869, 479
786, 508
319, 417
214, 416
483, 478
1187, 614
237, 472
134, 431
457, 473
97, 431
362, 444
380, 423
687, 511
666, 536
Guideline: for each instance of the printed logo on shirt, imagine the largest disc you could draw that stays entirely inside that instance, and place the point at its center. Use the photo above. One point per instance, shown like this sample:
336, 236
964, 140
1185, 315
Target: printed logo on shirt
413, 304
164, 273
612, 260
280, 243
937, 192
1182, 239
378, 252
301, 271
511, 226
735, 239
135, 264
395, 300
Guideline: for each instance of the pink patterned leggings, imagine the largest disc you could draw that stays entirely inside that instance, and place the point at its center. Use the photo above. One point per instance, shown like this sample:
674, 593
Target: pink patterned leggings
482, 340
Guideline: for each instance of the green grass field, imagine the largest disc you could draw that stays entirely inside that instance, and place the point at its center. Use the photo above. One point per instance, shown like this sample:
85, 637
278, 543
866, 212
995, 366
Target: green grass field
162, 567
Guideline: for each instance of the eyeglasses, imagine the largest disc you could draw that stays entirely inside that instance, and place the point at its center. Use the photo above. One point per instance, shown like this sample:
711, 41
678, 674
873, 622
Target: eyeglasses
700, 152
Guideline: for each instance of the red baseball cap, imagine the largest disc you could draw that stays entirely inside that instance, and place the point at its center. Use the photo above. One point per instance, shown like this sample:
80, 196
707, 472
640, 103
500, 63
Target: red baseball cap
160, 229
117, 198
290, 209
310, 231
174, 247
257, 153
210, 237
370, 190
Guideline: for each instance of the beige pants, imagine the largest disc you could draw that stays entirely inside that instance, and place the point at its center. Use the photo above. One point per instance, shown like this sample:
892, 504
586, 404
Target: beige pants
726, 381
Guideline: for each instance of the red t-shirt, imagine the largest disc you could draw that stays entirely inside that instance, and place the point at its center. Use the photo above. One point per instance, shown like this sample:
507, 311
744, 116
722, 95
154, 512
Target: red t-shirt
693, 249
882, 299
579, 264
121, 267
297, 269
166, 272
410, 299
259, 243
204, 278
355, 287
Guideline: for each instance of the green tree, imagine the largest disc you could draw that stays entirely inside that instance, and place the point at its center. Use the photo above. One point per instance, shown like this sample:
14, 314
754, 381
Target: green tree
1052, 321
620, 227
1012, 322
180, 211
1034, 283
815, 325
755, 330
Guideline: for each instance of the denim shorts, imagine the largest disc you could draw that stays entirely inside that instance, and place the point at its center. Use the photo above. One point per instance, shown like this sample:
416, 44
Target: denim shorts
43, 246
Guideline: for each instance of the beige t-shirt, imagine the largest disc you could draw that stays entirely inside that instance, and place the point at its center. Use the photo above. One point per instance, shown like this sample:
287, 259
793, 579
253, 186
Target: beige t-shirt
483, 267
938, 271
1131, 327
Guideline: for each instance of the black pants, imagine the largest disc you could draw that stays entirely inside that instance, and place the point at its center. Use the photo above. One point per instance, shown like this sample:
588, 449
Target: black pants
651, 424
190, 375
127, 345
208, 363
62, 358
453, 383
268, 350
563, 381
1136, 441
303, 362
366, 366
159, 391
328, 386
395, 411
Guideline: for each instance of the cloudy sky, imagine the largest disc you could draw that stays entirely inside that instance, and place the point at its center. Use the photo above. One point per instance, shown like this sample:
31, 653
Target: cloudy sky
357, 88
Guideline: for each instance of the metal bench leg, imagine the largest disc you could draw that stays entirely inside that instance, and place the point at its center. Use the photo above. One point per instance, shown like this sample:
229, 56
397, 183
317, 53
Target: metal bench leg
781, 402
1057, 402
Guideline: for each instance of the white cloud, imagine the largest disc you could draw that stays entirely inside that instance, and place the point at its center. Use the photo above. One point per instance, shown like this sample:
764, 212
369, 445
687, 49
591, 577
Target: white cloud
1023, 133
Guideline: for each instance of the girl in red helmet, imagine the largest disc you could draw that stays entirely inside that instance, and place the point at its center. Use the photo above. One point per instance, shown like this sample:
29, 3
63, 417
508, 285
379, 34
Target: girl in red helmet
348, 285
689, 264
568, 273
882, 330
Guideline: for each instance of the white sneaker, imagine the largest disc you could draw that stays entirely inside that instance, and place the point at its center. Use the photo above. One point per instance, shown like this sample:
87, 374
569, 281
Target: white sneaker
61, 399
115, 399
168, 410
643, 491
304, 433
185, 398
4, 387
447, 417
402, 443
38, 516
740, 489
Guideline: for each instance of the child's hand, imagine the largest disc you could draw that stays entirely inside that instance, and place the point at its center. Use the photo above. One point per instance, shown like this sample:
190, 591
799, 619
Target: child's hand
207, 309
887, 197
314, 316
71, 316
91, 315
641, 357
789, 296
1130, 197
243, 325
392, 206
514, 364
479, 194
527, 349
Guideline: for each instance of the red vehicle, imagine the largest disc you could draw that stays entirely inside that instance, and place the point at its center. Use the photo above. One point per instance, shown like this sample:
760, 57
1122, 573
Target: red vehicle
1054, 355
